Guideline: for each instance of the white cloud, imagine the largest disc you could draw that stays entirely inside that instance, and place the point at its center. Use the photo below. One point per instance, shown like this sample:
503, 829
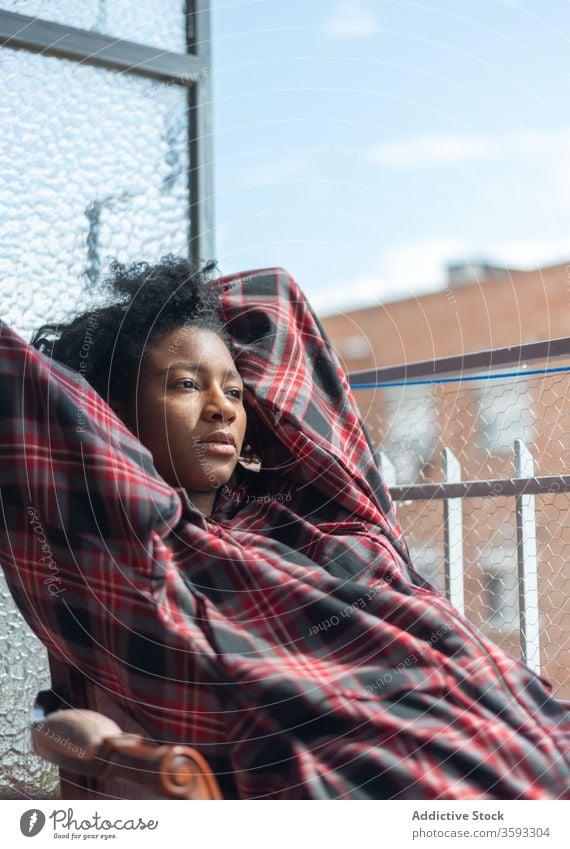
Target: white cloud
532, 253
429, 150
340, 295
404, 271
437, 149
351, 19
276, 171
537, 144
413, 268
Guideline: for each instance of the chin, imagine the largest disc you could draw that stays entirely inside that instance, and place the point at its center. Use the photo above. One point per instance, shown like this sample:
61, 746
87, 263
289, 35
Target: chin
216, 477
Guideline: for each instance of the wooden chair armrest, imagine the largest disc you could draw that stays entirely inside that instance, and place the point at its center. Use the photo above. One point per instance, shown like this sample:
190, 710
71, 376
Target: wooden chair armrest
90, 744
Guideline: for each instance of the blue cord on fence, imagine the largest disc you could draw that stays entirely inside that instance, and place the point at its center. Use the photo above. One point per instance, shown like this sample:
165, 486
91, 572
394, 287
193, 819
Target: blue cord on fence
525, 373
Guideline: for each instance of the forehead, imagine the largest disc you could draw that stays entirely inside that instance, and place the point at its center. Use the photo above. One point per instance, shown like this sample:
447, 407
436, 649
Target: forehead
191, 345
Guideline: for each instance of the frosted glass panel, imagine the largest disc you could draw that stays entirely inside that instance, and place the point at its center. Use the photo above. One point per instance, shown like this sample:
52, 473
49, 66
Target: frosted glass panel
23, 671
93, 165
158, 23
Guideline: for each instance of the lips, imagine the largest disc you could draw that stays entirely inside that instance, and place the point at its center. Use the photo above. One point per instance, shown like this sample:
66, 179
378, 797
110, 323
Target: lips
220, 437
220, 443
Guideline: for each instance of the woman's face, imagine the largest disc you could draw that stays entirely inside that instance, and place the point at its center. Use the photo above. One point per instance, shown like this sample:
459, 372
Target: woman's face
189, 410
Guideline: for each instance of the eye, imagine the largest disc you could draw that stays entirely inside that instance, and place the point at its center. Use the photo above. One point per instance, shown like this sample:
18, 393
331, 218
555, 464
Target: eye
186, 383
236, 393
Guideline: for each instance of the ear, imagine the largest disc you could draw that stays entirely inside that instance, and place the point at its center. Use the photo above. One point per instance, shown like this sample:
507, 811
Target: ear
246, 452
249, 455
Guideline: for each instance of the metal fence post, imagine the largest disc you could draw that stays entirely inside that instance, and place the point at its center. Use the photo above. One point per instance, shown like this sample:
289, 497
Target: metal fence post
453, 533
527, 562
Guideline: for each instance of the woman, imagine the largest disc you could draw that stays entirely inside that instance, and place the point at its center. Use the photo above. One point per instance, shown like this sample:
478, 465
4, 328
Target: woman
266, 612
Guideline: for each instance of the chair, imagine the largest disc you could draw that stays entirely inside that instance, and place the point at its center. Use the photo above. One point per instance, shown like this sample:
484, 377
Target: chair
102, 758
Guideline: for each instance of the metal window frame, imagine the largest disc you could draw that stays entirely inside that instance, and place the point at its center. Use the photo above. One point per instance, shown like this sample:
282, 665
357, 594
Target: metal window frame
191, 70
201, 178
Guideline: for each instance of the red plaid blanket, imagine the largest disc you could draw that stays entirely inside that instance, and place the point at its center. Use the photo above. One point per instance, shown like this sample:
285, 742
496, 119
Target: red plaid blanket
289, 639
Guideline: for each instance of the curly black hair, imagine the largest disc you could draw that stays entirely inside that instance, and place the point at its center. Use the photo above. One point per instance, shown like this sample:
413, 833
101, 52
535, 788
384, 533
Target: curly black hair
106, 344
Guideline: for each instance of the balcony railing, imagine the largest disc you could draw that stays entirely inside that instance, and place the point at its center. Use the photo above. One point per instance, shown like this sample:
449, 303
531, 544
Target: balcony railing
490, 529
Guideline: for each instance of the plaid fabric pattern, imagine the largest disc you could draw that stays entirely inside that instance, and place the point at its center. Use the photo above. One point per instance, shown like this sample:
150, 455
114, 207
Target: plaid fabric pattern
288, 638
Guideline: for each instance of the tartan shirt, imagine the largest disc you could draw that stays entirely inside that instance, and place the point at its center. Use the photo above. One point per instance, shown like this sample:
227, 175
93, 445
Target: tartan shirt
288, 638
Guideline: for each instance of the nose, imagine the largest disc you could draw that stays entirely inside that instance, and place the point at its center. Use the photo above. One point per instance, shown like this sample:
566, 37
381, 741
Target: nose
218, 407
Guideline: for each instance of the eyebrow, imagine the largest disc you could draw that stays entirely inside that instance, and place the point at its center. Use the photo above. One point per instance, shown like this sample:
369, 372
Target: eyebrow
197, 367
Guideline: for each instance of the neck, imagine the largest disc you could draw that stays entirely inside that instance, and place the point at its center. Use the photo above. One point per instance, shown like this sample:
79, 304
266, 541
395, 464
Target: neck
204, 501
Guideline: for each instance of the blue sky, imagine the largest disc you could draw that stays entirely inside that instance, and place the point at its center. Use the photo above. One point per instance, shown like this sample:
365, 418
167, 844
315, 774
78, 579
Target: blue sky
363, 144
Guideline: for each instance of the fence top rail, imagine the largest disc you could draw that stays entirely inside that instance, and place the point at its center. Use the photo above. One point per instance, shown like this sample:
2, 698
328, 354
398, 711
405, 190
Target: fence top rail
482, 488
514, 355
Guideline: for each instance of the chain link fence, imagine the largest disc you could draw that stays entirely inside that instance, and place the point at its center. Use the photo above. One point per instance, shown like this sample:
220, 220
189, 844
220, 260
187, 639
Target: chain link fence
478, 419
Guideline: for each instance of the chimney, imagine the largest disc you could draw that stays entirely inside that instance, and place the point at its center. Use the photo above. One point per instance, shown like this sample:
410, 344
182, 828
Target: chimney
474, 271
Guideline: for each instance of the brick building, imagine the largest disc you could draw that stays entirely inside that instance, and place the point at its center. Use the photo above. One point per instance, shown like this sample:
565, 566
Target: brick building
481, 307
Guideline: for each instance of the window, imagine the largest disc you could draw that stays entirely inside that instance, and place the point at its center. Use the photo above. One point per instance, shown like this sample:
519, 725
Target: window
355, 347
500, 587
505, 413
160, 23
109, 179
103, 153
428, 561
410, 433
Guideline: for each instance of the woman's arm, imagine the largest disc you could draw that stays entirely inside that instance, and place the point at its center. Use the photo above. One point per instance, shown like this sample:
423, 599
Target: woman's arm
309, 427
84, 521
